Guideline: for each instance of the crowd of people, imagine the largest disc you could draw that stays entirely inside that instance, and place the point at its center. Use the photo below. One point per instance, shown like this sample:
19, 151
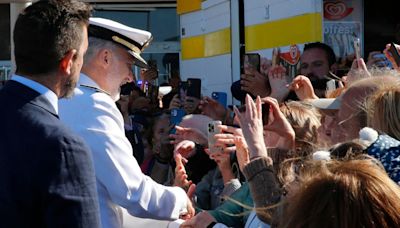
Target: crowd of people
295, 154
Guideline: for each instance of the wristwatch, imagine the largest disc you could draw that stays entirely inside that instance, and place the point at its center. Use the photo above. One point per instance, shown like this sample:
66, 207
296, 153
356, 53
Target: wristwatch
211, 225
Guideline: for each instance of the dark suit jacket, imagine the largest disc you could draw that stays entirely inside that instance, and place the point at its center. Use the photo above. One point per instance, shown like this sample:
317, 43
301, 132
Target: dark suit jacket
46, 172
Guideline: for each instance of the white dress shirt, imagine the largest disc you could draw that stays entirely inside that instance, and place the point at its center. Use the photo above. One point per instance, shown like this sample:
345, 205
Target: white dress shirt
120, 182
46, 92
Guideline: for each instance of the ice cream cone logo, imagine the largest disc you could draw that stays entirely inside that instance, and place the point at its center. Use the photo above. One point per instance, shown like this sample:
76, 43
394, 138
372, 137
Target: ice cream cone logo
336, 10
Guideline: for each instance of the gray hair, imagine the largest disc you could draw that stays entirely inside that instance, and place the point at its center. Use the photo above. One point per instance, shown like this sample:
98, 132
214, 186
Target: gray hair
356, 75
95, 45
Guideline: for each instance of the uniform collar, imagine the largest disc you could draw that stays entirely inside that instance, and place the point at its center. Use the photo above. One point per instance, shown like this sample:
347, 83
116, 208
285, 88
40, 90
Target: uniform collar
87, 82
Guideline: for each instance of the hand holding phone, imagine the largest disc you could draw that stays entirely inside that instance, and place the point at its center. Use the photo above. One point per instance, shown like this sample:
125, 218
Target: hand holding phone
264, 112
394, 55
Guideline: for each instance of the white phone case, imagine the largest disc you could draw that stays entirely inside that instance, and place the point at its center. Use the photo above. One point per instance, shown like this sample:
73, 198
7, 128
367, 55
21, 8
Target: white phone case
213, 129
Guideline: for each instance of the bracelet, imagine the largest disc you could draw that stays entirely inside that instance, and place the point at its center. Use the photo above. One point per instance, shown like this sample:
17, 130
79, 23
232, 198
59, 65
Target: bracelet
211, 225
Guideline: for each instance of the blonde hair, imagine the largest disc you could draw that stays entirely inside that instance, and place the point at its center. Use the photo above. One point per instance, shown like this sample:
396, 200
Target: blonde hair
383, 110
305, 120
355, 193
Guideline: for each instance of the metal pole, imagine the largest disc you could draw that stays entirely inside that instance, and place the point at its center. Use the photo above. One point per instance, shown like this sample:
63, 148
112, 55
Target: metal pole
15, 9
237, 38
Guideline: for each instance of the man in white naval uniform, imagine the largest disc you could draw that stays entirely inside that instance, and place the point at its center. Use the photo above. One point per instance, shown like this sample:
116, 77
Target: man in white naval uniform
92, 113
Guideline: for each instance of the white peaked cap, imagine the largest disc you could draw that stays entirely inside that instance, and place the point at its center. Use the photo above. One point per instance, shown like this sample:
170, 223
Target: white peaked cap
328, 103
134, 40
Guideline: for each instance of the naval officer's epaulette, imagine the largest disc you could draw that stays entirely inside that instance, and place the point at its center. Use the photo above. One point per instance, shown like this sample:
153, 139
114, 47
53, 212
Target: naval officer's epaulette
98, 90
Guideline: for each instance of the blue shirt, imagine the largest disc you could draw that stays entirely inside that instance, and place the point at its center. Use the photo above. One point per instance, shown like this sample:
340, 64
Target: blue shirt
43, 90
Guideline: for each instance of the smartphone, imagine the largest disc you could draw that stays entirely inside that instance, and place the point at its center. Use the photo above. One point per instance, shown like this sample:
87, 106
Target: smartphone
330, 85
357, 48
176, 117
221, 97
213, 129
194, 87
252, 60
395, 54
264, 112
182, 87
152, 93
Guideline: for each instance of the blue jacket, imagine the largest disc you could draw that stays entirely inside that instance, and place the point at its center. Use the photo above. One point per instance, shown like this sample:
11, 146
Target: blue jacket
46, 172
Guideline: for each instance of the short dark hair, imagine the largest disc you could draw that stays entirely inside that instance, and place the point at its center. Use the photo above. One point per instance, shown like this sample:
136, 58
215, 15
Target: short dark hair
45, 31
330, 54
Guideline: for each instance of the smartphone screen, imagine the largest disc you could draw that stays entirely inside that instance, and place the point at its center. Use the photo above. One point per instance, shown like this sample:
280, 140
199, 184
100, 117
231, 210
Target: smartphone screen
251, 61
194, 87
357, 48
221, 97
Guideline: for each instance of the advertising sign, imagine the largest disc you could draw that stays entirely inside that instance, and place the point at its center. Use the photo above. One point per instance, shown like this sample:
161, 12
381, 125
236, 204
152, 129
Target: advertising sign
343, 22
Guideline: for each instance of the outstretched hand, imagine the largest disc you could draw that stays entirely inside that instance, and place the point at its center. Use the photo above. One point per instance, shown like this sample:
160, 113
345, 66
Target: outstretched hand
357, 71
182, 181
212, 108
278, 80
252, 126
186, 133
278, 123
201, 220
180, 173
186, 148
255, 83
303, 88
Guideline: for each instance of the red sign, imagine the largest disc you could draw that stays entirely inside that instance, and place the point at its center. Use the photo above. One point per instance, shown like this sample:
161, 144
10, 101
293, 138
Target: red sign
292, 57
336, 10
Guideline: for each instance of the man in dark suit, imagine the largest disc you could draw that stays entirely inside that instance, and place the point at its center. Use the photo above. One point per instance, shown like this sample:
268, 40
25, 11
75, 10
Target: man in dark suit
46, 172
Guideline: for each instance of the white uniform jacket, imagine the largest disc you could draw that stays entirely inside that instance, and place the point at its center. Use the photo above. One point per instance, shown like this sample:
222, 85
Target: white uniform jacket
95, 117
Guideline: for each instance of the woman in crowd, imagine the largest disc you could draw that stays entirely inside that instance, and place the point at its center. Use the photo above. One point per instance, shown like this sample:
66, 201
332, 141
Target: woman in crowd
328, 194
355, 193
383, 111
291, 131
